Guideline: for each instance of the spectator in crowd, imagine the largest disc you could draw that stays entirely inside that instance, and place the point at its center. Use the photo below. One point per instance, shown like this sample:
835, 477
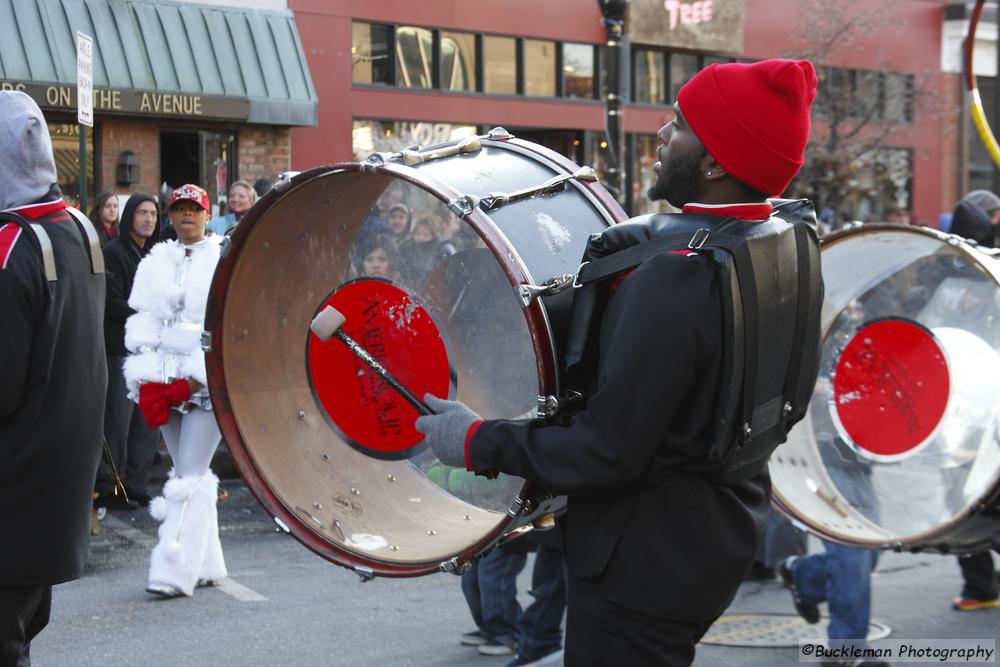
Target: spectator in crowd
377, 258
166, 372
399, 221
242, 197
422, 250
977, 217
52, 380
104, 216
261, 186
131, 443
534, 635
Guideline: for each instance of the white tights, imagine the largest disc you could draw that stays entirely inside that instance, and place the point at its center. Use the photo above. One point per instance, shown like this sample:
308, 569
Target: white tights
191, 440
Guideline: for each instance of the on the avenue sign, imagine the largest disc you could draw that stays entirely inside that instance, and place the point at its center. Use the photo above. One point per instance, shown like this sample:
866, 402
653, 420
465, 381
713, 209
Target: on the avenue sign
135, 102
703, 25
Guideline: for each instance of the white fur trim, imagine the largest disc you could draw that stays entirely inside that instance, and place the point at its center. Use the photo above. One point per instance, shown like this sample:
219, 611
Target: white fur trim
142, 367
158, 508
142, 329
189, 547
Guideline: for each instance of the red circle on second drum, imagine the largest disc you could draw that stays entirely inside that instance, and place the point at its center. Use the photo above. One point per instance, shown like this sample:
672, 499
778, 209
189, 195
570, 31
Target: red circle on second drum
400, 334
890, 388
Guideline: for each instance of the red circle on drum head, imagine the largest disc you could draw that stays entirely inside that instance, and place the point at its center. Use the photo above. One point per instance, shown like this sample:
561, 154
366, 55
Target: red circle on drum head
399, 333
890, 388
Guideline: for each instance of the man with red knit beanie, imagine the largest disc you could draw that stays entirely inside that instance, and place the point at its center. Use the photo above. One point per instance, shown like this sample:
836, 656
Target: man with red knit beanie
693, 363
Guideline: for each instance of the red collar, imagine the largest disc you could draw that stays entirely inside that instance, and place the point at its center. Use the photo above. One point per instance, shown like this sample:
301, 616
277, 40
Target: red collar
36, 211
761, 211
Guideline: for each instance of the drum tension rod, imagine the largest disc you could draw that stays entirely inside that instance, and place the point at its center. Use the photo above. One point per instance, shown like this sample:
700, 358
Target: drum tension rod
365, 573
452, 566
528, 293
495, 200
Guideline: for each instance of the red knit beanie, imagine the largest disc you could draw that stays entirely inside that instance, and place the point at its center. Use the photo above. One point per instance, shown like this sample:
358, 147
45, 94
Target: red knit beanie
753, 118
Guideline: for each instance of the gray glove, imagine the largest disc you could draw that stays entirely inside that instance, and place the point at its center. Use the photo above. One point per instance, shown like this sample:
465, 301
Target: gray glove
445, 432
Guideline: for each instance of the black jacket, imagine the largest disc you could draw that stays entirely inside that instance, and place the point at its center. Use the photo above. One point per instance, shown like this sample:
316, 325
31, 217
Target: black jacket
972, 222
121, 259
666, 540
52, 387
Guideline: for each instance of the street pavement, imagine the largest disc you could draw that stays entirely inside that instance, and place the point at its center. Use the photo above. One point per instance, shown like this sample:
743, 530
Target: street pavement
285, 605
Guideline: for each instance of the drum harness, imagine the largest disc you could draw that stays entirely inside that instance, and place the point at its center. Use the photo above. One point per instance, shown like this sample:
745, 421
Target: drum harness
767, 388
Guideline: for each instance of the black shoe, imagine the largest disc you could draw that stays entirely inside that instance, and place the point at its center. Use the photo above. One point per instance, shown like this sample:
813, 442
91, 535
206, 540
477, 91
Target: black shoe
760, 572
142, 498
808, 612
113, 501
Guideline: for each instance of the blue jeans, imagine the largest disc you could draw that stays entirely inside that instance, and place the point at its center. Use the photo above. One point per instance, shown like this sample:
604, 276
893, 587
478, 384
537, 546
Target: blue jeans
490, 588
841, 577
539, 629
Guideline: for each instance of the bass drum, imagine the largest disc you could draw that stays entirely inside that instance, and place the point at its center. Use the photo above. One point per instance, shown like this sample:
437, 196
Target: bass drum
429, 253
900, 447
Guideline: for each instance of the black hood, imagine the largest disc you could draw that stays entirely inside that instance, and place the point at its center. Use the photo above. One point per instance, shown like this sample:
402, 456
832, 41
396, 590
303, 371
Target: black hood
972, 222
125, 226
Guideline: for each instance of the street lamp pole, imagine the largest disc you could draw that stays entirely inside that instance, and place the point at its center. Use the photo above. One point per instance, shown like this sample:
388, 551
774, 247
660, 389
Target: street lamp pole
617, 68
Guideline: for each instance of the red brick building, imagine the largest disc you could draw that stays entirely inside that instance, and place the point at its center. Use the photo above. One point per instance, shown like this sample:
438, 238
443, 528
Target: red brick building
394, 72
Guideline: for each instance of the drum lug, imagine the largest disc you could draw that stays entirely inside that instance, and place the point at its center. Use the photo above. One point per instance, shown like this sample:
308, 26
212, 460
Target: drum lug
365, 573
464, 206
206, 341
520, 506
452, 566
547, 406
281, 525
374, 161
528, 293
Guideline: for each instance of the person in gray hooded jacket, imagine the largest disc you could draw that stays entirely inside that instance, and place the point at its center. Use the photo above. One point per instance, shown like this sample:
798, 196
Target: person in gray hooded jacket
52, 379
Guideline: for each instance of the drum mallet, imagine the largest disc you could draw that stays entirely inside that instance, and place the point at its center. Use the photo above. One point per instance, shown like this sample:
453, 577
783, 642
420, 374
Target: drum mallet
327, 324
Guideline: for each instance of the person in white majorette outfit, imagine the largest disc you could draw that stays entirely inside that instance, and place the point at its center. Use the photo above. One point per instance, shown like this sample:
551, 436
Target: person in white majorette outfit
165, 374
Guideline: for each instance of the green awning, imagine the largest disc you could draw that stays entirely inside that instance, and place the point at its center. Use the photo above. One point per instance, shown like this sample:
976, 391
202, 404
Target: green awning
161, 58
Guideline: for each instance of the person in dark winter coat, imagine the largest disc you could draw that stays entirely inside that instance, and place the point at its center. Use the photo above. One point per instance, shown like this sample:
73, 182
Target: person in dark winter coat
131, 443
657, 542
977, 217
52, 380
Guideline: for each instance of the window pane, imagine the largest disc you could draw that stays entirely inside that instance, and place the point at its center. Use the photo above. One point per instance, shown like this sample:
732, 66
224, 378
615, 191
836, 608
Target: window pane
370, 53
458, 61
867, 95
539, 68
683, 66
650, 76
899, 98
578, 70
500, 65
66, 152
414, 57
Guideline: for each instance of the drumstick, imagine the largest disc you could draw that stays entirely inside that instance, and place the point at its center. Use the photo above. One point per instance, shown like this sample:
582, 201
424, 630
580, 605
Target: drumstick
327, 324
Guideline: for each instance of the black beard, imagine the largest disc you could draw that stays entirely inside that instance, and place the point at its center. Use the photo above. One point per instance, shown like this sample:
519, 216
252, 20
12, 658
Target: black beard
677, 181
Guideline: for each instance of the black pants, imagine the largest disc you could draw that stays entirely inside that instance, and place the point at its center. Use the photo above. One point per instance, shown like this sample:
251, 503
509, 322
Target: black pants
132, 443
601, 633
979, 576
24, 611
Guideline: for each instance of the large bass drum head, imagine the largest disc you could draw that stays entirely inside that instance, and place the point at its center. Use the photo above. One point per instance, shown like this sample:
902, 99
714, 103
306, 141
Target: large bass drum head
900, 447
325, 444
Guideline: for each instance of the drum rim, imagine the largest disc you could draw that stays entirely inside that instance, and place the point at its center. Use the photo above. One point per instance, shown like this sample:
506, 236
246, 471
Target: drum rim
936, 537
535, 317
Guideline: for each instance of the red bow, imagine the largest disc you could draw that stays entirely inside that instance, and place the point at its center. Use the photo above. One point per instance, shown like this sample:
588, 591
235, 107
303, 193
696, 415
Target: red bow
156, 398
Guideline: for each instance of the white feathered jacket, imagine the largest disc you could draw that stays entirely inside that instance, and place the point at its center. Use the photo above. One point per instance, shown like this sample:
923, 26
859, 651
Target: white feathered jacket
169, 295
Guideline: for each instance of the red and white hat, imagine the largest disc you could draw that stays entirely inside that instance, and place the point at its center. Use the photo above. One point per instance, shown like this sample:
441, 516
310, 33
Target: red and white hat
190, 192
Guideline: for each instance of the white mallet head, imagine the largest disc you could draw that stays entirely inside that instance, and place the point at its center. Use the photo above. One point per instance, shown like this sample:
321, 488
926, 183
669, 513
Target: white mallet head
327, 322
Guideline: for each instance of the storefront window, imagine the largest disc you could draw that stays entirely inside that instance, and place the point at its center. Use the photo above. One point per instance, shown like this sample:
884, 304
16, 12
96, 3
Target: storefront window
66, 151
643, 177
500, 65
898, 98
650, 76
414, 57
458, 61
539, 68
381, 136
683, 66
370, 53
578, 70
